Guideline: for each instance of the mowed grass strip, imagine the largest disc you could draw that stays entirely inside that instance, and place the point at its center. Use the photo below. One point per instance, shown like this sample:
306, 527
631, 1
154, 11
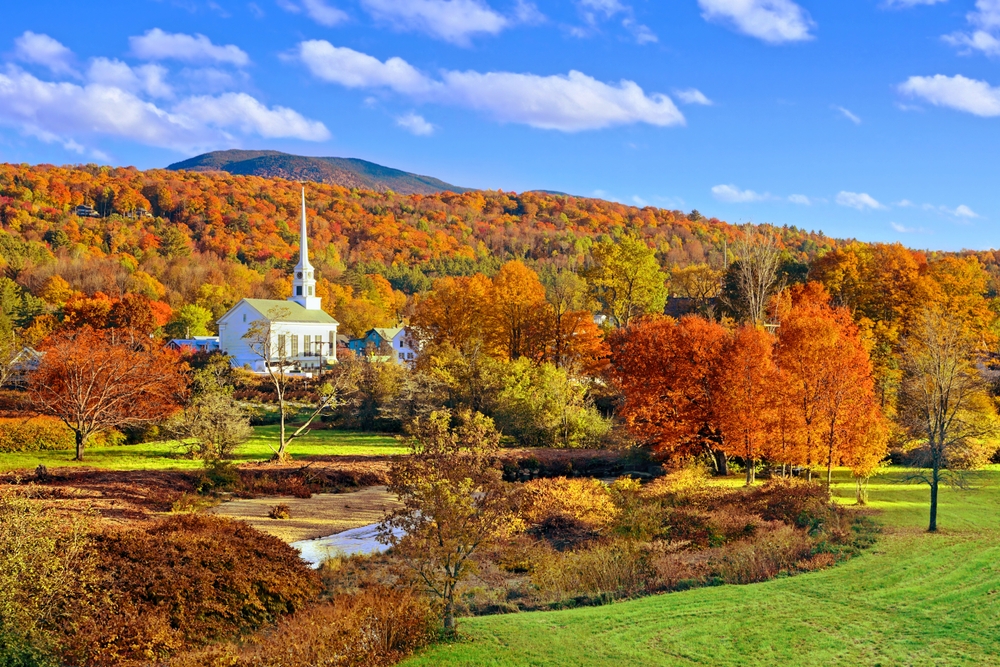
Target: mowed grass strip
168, 455
915, 599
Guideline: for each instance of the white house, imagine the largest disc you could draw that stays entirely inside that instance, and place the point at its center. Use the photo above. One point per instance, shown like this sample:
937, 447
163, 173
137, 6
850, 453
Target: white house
302, 333
379, 341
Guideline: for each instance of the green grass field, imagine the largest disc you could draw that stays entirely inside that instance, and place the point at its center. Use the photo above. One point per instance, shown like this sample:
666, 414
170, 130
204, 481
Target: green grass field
915, 599
166, 454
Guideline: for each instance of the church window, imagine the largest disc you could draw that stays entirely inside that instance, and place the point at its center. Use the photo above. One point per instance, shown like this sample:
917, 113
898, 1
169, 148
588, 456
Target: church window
333, 341
244, 317
306, 345
295, 345
298, 290
282, 349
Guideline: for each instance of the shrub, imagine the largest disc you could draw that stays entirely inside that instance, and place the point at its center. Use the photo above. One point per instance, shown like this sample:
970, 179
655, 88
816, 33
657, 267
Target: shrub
762, 557
376, 627
35, 434
280, 511
583, 500
793, 501
16, 651
184, 581
606, 572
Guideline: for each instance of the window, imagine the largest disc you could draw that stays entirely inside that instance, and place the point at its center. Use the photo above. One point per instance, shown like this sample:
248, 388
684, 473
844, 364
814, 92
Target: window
310, 290
244, 317
299, 275
318, 344
333, 341
306, 345
295, 345
402, 356
298, 290
282, 349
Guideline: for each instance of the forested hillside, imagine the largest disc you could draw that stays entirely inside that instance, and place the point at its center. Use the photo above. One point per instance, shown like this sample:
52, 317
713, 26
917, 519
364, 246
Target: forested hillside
207, 238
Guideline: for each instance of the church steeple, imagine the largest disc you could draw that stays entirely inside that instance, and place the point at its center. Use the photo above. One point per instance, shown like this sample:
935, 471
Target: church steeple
304, 279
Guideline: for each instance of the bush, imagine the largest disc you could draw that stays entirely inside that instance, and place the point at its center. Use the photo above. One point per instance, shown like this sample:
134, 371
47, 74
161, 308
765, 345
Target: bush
602, 573
35, 434
16, 651
186, 580
376, 627
583, 500
280, 511
763, 556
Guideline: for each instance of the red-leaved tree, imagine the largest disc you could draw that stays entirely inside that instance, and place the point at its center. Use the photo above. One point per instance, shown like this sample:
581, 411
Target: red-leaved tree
97, 380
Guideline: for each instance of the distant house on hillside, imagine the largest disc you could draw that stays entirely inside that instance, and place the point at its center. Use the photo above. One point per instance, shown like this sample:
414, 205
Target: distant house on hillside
398, 343
196, 343
85, 211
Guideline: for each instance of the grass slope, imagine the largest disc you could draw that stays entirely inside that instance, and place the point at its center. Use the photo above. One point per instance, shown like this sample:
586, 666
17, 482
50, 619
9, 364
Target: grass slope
166, 454
915, 599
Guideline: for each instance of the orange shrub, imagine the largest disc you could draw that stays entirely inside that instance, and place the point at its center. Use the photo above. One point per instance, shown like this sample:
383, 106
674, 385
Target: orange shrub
378, 626
186, 580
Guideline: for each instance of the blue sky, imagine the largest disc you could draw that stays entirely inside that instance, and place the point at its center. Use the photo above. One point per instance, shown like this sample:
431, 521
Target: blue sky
874, 119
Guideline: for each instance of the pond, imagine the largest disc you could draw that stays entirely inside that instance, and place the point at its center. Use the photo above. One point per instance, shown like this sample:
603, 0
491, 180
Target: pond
363, 540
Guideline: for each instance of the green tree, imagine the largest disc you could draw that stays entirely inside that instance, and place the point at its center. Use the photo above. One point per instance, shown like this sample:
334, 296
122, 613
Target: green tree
943, 398
454, 502
626, 279
190, 320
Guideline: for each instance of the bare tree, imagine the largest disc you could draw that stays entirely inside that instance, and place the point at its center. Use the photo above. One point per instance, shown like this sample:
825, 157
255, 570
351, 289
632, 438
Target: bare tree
266, 340
943, 397
755, 274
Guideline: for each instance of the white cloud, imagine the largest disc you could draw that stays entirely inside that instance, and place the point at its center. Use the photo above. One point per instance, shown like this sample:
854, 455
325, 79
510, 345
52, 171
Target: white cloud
454, 21
963, 211
800, 199
159, 45
692, 96
150, 79
594, 11
415, 124
639, 201
848, 115
324, 14
69, 112
957, 92
986, 20
43, 50
904, 203
239, 110
960, 211
773, 21
354, 69
858, 200
901, 229
733, 195
569, 103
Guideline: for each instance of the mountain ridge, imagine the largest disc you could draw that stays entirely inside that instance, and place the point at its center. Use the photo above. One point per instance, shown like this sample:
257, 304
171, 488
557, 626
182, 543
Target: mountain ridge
345, 172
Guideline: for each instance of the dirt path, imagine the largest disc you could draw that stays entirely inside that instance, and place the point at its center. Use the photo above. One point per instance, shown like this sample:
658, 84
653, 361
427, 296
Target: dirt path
323, 514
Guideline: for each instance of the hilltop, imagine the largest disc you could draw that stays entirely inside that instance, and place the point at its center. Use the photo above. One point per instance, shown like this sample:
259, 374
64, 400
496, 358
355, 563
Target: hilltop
345, 172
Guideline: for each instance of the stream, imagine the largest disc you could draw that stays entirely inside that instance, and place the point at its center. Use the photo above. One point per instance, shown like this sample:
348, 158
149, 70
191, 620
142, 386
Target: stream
363, 540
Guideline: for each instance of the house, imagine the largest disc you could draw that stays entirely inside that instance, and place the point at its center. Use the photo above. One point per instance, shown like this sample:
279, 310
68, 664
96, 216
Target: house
397, 344
85, 211
295, 333
196, 343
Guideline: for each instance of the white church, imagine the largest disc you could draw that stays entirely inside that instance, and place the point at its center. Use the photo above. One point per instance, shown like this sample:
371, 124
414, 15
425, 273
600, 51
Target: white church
303, 335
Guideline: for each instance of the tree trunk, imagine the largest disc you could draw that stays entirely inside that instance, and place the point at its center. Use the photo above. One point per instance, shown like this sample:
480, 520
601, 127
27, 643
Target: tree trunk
721, 462
935, 478
449, 618
281, 446
79, 445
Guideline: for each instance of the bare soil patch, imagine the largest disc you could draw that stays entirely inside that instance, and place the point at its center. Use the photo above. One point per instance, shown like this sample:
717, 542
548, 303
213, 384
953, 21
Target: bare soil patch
321, 515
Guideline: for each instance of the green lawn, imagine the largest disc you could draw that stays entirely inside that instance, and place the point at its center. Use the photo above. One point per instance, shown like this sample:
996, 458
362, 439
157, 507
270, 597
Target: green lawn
915, 599
166, 454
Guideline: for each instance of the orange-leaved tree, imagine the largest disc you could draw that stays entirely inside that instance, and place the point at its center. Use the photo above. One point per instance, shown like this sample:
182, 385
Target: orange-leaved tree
518, 306
97, 380
744, 395
667, 371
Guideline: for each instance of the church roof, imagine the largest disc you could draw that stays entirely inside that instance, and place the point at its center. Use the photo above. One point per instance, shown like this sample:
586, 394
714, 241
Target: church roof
289, 312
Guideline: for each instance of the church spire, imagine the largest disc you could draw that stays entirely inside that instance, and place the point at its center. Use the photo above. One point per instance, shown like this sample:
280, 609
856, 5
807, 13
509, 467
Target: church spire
303, 280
